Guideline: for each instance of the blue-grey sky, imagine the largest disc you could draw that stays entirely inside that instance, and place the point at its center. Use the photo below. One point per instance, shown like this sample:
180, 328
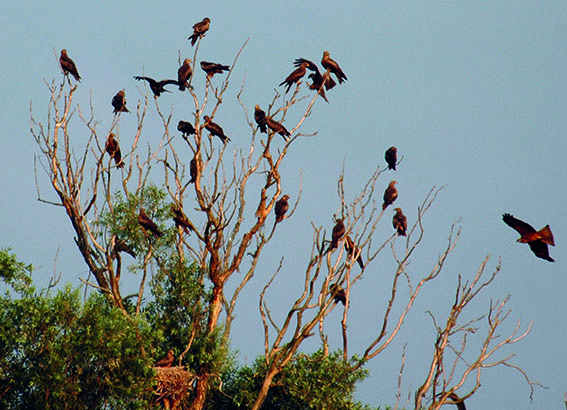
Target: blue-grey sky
473, 94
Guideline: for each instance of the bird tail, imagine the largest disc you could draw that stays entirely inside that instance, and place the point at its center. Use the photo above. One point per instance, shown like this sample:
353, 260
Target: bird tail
546, 236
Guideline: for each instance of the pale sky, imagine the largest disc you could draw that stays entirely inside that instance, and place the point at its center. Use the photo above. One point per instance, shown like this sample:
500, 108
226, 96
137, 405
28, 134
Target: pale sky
473, 94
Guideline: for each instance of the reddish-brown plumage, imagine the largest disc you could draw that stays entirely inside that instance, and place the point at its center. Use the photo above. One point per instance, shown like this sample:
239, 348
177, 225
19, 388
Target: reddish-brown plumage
68, 66
281, 208
337, 234
332, 66
113, 150
338, 294
147, 224
537, 240
167, 361
199, 30
184, 73
390, 195
215, 129
119, 102
400, 222
353, 251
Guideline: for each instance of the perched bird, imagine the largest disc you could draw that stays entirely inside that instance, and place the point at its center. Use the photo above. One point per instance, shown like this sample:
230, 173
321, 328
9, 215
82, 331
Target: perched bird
121, 246
119, 102
317, 82
538, 240
184, 73
185, 127
260, 118
199, 30
213, 68
400, 222
338, 293
353, 250
215, 129
331, 65
147, 224
391, 157
113, 150
193, 170
390, 195
157, 87
281, 208
457, 401
181, 219
295, 76
277, 127
68, 65
167, 361
338, 233
318, 79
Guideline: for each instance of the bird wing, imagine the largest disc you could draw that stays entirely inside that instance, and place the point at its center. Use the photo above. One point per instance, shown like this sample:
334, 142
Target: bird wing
540, 250
310, 64
520, 226
148, 79
166, 82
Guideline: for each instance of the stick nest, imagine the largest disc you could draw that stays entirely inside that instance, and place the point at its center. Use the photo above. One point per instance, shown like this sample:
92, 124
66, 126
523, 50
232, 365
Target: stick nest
174, 384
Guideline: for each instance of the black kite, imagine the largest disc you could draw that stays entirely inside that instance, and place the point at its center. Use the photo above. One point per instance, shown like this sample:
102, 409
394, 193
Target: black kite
184, 73
181, 220
193, 170
331, 65
68, 66
295, 76
353, 251
119, 102
277, 127
338, 293
167, 361
538, 240
260, 118
213, 68
113, 150
199, 30
185, 127
281, 208
391, 157
157, 87
147, 224
390, 195
400, 222
215, 129
338, 233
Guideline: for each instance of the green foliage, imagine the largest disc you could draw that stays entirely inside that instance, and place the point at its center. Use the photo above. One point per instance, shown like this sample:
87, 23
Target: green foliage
313, 381
13, 272
58, 353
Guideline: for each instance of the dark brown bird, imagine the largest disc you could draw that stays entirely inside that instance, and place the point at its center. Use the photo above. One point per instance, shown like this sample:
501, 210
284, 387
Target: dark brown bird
390, 195
113, 150
281, 208
318, 79
199, 30
277, 127
157, 87
317, 82
260, 118
353, 251
215, 129
460, 403
538, 240
121, 246
184, 73
193, 170
391, 157
338, 233
119, 102
400, 222
68, 66
181, 219
295, 76
213, 68
147, 224
167, 361
185, 127
338, 293
331, 65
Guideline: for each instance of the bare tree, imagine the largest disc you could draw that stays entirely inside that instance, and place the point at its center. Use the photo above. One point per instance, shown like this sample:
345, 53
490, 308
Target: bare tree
227, 228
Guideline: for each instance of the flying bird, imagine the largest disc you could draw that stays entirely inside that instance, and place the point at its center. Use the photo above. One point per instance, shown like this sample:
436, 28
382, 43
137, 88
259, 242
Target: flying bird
185, 127
338, 293
181, 220
199, 30
337, 234
331, 65
68, 66
193, 170
184, 73
113, 150
281, 208
353, 250
167, 361
119, 102
215, 129
213, 68
260, 118
391, 157
537, 240
400, 222
390, 195
147, 224
295, 76
157, 87
277, 127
